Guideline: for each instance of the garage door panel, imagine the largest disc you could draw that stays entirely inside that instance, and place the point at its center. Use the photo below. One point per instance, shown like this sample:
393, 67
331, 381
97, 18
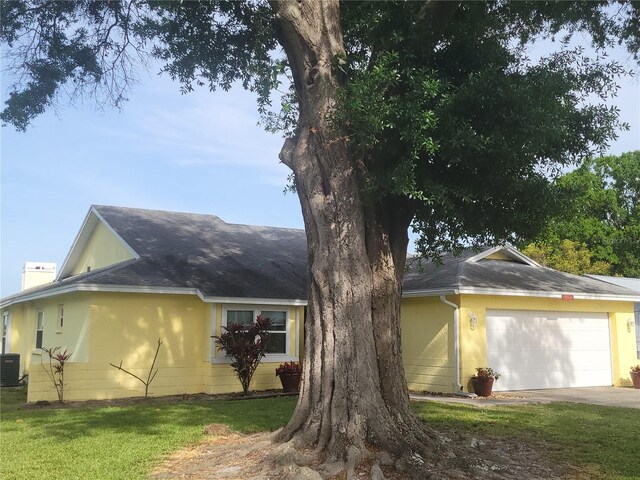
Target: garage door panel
548, 349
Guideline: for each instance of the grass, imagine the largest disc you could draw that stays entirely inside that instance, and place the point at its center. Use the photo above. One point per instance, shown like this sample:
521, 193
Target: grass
125, 442
603, 442
122, 442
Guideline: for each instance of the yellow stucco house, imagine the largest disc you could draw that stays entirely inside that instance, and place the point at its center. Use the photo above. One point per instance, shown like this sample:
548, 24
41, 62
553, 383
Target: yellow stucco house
133, 276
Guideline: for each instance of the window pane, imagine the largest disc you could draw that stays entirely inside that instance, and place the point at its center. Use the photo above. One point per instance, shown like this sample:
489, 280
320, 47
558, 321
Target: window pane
278, 319
40, 320
39, 339
243, 317
277, 343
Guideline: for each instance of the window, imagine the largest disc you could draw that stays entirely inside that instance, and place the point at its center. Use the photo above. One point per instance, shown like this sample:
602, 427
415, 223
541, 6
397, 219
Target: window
278, 334
60, 317
39, 328
5, 332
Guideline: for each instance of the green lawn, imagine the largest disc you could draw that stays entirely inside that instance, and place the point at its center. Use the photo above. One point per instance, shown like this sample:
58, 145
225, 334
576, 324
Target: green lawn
602, 441
125, 442
117, 442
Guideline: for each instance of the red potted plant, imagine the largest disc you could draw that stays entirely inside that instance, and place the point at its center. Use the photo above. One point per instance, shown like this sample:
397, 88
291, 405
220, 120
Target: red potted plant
482, 381
635, 376
289, 373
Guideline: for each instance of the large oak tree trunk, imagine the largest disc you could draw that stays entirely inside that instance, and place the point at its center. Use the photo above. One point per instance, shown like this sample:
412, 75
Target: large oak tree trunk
354, 391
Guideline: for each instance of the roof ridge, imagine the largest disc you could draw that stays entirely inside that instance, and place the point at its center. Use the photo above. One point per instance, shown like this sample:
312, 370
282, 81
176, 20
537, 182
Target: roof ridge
192, 214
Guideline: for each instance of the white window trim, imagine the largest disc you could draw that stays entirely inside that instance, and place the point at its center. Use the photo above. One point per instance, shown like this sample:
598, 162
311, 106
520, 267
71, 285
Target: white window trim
60, 318
6, 331
35, 339
288, 356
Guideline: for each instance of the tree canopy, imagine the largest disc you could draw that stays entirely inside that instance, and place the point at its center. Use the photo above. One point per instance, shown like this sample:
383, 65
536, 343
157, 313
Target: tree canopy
449, 115
400, 113
600, 216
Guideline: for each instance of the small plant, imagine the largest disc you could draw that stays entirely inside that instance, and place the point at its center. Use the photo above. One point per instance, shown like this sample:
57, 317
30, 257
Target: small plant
486, 374
151, 374
55, 369
635, 369
289, 368
245, 345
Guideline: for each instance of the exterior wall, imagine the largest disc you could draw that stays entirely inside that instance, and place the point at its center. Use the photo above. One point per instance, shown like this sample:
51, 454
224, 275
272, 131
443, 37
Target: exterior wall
72, 336
220, 378
473, 342
102, 249
126, 327
427, 344
104, 328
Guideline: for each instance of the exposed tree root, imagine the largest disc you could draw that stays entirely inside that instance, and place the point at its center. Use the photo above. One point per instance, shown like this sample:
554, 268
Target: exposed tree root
232, 456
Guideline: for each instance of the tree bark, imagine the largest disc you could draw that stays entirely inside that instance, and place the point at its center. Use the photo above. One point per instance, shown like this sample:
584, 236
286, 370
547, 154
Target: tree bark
354, 391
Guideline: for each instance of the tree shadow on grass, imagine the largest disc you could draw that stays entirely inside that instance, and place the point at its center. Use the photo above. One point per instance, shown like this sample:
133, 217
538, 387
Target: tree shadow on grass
67, 424
589, 436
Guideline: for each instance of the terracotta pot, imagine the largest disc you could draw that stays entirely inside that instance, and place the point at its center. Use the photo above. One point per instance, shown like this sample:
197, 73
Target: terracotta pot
290, 382
635, 379
482, 387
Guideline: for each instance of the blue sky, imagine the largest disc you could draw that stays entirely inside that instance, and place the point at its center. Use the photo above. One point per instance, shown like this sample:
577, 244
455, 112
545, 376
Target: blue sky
202, 152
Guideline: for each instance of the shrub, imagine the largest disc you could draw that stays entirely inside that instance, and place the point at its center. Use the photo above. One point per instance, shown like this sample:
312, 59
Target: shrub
245, 345
486, 373
55, 369
635, 369
289, 368
150, 376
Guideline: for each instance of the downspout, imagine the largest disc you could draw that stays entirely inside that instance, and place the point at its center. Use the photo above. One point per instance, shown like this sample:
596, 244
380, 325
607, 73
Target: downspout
456, 344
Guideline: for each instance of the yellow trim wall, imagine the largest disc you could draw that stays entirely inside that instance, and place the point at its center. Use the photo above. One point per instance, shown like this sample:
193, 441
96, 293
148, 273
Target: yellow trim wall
103, 328
72, 335
473, 343
427, 336
427, 344
102, 249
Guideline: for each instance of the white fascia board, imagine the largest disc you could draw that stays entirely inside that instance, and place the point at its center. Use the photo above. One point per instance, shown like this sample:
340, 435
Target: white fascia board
87, 287
148, 290
539, 294
513, 252
89, 223
429, 293
518, 254
80, 242
255, 301
113, 232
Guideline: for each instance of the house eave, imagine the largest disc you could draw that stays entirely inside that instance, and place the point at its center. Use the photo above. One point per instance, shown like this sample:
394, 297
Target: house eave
566, 295
62, 290
429, 292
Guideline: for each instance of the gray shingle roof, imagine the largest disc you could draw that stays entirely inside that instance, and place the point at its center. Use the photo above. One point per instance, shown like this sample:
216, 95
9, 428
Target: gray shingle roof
202, 251
462, 273
194, 251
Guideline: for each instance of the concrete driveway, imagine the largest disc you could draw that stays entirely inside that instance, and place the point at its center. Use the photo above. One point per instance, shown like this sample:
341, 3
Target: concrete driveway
607, 396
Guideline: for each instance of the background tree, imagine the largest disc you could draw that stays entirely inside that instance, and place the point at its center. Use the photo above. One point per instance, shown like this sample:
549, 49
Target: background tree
600, 217
400, 113
567, 256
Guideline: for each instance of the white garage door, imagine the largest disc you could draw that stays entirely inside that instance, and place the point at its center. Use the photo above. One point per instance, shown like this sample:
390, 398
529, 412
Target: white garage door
548, 349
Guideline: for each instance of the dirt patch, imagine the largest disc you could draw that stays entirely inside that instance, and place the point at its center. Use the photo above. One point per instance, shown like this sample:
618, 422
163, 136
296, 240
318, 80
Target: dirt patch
505, 396
160, 400
226, 455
